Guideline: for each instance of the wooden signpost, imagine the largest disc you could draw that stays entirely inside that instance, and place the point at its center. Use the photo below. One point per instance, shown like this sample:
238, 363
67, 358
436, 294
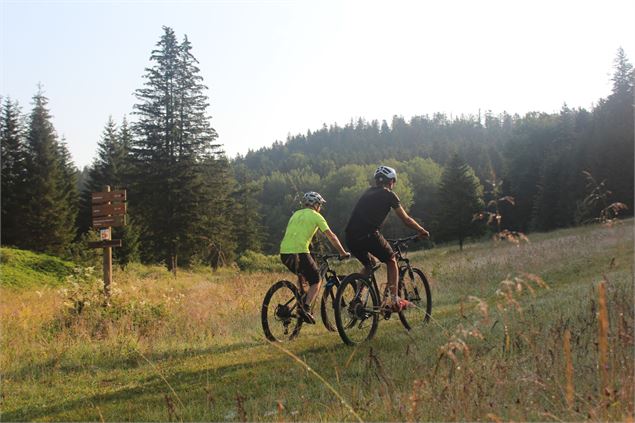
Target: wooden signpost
108, 210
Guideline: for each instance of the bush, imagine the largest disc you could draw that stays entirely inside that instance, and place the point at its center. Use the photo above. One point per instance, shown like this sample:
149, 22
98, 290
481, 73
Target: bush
79, 251
148, 271
252, 261
87, 312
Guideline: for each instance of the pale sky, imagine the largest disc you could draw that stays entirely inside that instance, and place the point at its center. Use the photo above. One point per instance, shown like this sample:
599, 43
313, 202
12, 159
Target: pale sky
276, 68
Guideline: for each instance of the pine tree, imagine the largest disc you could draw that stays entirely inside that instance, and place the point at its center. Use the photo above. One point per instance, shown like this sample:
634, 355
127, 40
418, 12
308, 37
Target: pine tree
616, 140
124, 168
49, 218
622, 77
100, 173
13, 171
130, 233
460, 198
217, 232
69, 183
246, 217
173, 153
554, 203
111, 167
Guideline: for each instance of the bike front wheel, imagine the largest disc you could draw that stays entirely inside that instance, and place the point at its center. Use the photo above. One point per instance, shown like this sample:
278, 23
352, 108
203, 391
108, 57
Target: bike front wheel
414, 287
327, 305
357, 316
280, 316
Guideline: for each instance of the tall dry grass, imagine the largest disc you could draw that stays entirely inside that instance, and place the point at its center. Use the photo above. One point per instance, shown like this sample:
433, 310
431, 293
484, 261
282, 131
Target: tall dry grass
517, 334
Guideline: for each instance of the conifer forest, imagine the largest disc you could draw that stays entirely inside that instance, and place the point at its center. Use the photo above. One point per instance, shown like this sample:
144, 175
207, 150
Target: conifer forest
464, 177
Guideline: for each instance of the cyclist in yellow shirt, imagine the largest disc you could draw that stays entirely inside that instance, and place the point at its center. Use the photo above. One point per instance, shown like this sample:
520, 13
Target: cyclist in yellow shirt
294, 248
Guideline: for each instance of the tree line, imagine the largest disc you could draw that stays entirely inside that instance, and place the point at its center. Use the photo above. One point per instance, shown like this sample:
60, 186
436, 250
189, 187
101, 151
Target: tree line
540, 162
189, 203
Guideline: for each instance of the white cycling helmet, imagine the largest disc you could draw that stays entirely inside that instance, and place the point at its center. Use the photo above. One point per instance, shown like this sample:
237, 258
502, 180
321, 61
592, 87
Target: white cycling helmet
311, 198
385, 173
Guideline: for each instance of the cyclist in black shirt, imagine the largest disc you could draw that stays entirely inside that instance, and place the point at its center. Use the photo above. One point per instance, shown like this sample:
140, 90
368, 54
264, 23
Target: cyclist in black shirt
363, 236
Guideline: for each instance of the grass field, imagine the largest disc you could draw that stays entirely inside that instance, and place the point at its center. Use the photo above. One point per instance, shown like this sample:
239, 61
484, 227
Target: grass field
542, 332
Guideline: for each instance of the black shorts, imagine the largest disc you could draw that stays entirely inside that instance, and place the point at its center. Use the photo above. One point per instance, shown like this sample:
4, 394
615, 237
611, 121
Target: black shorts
365, 245
302, 263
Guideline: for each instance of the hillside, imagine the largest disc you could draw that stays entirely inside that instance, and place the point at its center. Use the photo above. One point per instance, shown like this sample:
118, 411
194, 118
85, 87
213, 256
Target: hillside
541, 160
514, 336
24, 269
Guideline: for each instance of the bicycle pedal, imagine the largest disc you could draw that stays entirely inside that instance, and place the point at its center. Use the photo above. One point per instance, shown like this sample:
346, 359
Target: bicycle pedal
387, 315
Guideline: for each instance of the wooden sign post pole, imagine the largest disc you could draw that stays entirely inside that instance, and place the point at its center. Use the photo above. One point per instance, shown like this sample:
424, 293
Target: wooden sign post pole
107, 262
108, 210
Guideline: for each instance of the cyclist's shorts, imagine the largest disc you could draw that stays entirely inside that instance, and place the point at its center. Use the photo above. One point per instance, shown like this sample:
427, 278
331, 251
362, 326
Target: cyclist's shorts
373, 243
303, 264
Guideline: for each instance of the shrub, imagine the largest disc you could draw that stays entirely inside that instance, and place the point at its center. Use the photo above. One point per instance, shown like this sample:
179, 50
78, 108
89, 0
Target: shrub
252, 261
87, 312
79, 251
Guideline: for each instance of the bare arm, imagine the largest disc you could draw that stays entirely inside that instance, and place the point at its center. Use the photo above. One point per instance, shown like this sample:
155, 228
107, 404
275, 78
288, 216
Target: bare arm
410, 222
336, 242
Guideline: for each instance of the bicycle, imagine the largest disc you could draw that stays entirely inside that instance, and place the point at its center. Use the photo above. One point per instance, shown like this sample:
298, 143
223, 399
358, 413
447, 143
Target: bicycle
280, 314
357, 317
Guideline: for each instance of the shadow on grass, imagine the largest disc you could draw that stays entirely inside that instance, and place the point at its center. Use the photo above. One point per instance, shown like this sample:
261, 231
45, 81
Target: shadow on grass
149, 392
122, 363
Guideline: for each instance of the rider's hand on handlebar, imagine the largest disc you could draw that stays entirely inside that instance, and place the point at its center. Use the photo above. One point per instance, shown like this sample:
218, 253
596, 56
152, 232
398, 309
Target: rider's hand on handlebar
345, 256
424, 234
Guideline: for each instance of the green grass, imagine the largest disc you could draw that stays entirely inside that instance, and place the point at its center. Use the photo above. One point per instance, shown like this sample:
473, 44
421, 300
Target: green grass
192, 348
25, 269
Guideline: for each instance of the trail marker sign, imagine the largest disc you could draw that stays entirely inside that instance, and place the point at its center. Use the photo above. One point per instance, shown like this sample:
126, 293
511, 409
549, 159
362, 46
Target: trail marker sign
113, 209
105, 234
108, 221
108, 210
105, 244
108, 197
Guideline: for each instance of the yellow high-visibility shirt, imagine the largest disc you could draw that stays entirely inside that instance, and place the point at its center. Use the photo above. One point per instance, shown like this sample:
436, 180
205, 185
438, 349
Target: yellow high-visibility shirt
300, 230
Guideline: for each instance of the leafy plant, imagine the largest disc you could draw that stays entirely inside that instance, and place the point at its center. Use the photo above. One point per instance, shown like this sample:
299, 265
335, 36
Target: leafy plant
252, 261
595, 207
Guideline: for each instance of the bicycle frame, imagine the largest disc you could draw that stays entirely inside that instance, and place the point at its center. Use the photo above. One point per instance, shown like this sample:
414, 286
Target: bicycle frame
326, 273
403, 264
329, 284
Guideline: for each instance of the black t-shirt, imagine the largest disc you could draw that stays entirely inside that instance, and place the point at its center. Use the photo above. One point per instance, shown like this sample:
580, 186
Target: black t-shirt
371, 211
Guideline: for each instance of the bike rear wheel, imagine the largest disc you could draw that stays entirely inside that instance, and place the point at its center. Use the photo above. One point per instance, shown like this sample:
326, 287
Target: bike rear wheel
358, 315
415, 288
280, 316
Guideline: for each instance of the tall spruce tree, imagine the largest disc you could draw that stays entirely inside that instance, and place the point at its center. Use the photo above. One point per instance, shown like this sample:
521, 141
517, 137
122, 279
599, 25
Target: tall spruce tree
246, 218
172, 152
111, 167
217, 238
129, 234
555, 202
618, 125
70, 178
51, 190
460, 198
13, 171
100, 173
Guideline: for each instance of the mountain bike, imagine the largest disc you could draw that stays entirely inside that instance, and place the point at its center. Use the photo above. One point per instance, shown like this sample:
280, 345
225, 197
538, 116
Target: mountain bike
361, 304
280, 314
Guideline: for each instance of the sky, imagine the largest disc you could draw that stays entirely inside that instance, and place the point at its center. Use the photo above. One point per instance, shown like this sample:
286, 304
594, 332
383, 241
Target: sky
280, 68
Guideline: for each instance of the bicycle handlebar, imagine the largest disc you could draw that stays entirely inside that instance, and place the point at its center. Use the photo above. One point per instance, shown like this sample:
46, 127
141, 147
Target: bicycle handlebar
404, 240
330, 256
